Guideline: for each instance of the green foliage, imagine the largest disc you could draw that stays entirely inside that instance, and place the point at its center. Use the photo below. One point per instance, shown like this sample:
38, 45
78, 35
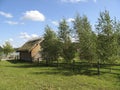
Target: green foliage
87, 38
107, 40
68, 52
114, 59
50, 45
1, 52
102, 44
68, 49
7, 48
64, 31
116, 27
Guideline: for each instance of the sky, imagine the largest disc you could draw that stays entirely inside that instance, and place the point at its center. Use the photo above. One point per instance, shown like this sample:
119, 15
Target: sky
22, 20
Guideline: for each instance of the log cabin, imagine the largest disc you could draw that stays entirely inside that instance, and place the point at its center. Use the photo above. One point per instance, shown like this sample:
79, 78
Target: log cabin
30, 51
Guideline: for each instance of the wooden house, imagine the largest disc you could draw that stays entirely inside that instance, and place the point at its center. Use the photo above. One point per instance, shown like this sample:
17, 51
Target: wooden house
30, 51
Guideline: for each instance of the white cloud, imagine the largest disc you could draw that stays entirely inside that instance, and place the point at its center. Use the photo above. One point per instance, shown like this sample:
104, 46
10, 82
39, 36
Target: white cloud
11, 40
95, 0
13, 22
55, 23
21, 23
27, 36
7, 15
24, 35
70, 20
33, 15
34, 36
74, 1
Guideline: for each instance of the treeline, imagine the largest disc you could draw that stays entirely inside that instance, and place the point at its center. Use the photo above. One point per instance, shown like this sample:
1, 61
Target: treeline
6, 49
99, 45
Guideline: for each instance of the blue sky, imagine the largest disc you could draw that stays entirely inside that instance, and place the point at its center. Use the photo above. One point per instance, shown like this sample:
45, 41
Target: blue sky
21, 20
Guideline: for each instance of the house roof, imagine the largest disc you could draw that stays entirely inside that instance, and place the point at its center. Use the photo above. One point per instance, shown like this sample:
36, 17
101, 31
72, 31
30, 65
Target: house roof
28, 46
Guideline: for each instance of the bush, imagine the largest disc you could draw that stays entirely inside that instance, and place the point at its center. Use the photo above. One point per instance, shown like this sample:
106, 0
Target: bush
114, 59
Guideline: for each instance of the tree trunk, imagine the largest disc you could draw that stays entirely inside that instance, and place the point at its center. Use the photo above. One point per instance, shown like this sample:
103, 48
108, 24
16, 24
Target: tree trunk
98, 67
73, 67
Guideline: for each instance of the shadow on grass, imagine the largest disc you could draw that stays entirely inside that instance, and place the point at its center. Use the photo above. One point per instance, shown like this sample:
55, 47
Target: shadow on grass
64, 69
24, 65
18, 61
65, 73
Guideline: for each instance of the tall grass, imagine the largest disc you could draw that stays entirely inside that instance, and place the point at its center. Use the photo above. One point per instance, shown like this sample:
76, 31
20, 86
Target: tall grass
28, 76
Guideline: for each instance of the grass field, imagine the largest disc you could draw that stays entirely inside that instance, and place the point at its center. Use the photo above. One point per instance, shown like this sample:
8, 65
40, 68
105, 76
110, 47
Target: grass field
27, 76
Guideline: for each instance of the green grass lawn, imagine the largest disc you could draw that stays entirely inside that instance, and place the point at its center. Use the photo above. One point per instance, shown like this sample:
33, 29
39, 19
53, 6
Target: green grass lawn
27, 76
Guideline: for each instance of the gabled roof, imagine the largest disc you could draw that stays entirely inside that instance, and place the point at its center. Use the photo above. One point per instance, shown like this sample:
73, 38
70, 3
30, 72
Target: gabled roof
28, 46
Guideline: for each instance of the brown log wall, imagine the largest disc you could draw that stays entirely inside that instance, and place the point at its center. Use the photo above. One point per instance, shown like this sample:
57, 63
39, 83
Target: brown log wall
26, 56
